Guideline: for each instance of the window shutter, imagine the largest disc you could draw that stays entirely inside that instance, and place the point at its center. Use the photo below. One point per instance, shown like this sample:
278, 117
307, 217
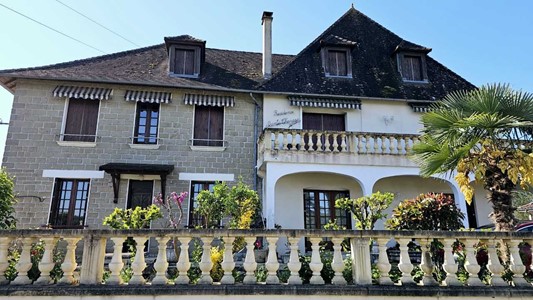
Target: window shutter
412, 68
341, 63
82, 117
201, 125
90, 120
189, 62
216, 126
184, 62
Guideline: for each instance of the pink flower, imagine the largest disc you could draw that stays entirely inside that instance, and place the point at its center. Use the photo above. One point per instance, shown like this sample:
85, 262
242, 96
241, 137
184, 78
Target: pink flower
158, 200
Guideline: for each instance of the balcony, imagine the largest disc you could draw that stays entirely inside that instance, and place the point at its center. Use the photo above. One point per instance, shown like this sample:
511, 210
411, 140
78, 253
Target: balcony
335, 147
371, 270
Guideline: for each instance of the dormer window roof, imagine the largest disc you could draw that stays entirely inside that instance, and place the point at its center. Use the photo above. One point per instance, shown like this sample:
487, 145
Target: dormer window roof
337, 56
411, 59
186, 55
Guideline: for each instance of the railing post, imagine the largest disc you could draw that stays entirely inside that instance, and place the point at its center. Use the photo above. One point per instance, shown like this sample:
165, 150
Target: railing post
116, 264
361, 267
139, 264
4, 264
24, 263
205, 263
450, 266
426, 264
517, 266
383, 264
161, 263
183, 263
337, 264
494, 265
471, 265
294, 264
405, 265
228, 264
316, 264
249, 262
92, 262
272, 263
69, 264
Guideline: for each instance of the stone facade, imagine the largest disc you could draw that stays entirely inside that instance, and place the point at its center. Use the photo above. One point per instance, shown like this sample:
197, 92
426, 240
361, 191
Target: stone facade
36, 124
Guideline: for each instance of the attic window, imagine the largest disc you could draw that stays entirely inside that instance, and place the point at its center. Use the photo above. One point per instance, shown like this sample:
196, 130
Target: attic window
412, 67
184, 61
337, 62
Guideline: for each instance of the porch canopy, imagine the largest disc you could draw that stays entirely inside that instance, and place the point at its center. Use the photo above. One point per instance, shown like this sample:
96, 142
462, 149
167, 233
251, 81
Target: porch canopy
116, 169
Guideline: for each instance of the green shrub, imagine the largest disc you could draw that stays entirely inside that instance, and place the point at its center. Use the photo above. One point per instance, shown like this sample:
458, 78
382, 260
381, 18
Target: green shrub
426, 212
366, 210
7, 200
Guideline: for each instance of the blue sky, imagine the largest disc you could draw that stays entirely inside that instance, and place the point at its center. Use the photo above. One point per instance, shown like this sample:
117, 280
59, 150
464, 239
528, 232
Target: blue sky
484, 41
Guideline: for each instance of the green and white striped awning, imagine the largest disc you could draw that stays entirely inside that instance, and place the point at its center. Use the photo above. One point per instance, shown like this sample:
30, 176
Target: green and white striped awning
82, 92
325, 102
420, 106
209, 100
148, 96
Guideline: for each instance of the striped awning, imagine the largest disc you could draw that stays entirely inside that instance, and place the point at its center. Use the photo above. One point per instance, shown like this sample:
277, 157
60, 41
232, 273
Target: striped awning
420, 107
93, 93
208, 100
325, 102
148, 96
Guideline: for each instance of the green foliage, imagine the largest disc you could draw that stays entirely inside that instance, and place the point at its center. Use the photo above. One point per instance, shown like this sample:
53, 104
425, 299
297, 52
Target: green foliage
7, 200
194, 271
426, 212
333, 225
241, 204
36, 255
366, 210
137, 218
261, 273
211, 205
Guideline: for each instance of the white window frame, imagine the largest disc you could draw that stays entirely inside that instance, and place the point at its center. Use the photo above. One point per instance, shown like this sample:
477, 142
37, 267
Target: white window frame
80, 144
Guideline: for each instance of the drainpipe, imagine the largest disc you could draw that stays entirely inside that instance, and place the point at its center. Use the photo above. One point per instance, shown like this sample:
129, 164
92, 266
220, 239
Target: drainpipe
256, 135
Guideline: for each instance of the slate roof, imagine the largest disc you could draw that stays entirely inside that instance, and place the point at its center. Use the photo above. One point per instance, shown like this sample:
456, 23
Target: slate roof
223, 69
374, 67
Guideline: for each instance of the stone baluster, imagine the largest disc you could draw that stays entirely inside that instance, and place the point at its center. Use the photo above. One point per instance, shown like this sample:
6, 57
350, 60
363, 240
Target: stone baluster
368, 144
449, 265
376, 144
316, 263
426, 264
227, 263
337, 264
139, 264
335, 143
391, 144
405, 265
399, 145
294, 264
383, 264
69, 264
360, 145
327, 144
517, 266
47, 262
415, 140
294, 141
116, 264
272, 264
285, 135
249, 262
309, 144
343, 142
24, 263
361, 267
183, 263
352, 143
276, 141
319, 141
408, 141
4, 263
161, 263
494, 265
205, 263
383, 144
471, 265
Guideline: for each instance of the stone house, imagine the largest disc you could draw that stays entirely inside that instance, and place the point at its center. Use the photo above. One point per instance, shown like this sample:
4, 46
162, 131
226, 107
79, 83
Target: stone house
335, 120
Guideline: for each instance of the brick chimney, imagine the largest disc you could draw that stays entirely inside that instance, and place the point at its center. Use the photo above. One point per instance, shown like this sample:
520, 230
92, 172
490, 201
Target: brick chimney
266, 21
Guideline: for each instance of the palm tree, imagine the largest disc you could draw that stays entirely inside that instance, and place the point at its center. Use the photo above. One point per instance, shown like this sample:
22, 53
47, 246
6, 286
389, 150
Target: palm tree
485, 135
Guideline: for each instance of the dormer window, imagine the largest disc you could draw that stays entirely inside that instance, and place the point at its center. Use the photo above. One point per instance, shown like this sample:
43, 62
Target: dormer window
412, 67
411, 59
186, 54
337, 56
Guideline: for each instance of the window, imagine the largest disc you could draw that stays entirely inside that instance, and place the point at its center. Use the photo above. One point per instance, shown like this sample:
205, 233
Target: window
412, 67
81, 120
146, 123
140, 193
208, 126
337, 62
185, 61
319, 209
69, 203
196, 187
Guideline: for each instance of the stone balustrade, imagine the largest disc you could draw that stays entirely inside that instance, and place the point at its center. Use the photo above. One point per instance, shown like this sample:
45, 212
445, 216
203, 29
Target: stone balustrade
468, 259
298, 140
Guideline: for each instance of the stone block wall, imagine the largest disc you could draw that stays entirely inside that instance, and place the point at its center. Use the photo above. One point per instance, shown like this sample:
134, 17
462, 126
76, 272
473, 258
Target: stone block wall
36, 123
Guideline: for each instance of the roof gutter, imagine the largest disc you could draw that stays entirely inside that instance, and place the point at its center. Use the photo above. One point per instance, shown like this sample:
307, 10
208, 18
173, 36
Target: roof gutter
209, 88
